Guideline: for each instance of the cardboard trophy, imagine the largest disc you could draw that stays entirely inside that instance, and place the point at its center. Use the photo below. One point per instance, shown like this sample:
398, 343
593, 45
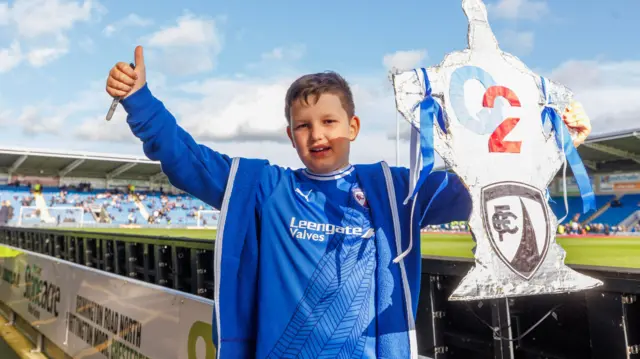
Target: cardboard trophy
495, 123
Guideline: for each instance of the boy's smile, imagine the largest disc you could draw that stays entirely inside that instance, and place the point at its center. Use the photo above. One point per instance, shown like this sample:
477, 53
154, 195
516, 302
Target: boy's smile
321, 132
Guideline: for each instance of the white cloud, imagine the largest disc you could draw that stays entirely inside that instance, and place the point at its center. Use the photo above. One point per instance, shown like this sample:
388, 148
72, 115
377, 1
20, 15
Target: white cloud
46, 118
41, 56
131, 20
518, 9
404, 60
109, 30
609, 91
5, 117
278, 60
10, 57
189, 47
234, 110
4, 13
189, 31
96, 128
520, 43
87, 44
40, 29
294, 52
33, 121
34, 18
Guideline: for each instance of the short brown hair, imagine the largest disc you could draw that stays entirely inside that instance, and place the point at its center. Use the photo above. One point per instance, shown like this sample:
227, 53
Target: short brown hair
316, 85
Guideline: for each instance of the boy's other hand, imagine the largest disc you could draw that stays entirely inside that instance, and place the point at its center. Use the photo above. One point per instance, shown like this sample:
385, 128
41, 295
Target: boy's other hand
123, 81
576, 119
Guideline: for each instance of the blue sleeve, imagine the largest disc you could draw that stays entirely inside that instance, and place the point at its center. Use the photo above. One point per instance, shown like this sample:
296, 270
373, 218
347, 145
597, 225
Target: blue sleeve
193, 168
453, 203
270, 178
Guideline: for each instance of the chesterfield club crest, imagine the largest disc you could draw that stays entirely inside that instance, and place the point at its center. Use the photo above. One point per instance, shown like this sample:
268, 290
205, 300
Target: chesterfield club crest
484, 112
517, 223
359, 196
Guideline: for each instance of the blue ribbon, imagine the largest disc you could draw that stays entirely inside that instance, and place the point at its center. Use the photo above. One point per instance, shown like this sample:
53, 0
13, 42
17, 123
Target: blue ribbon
570, 152
549, 198
429, 108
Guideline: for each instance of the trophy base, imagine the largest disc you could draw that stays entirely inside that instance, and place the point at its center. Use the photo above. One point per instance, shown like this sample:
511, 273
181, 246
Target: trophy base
489, 282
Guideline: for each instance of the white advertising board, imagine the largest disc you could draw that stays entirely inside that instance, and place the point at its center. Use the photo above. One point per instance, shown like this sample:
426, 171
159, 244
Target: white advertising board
96, 315
623, 182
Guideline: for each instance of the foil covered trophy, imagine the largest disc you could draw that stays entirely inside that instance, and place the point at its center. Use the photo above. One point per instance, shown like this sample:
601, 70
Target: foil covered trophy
495, 123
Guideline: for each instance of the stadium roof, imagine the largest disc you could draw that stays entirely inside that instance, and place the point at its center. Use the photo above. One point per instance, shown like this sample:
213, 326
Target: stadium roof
613, 152
610, 153
607, 153
50, 163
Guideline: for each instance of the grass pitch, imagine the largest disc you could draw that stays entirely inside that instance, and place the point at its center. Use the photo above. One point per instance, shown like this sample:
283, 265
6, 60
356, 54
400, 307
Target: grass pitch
612, 251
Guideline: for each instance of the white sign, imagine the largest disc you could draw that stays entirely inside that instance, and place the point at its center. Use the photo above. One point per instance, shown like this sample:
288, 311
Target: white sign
96, 315
624, 182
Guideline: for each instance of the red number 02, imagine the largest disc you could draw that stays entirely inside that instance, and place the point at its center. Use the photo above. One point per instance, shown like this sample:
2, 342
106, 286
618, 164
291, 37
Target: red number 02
496, 140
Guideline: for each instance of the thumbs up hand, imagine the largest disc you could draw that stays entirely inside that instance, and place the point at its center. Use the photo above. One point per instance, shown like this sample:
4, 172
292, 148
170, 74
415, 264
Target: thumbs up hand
123, 80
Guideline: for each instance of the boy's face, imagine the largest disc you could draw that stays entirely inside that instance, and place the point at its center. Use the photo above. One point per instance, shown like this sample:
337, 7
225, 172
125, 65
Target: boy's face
321, 132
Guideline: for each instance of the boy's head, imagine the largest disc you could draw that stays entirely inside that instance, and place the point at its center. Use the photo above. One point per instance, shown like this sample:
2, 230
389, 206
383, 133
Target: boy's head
321, 120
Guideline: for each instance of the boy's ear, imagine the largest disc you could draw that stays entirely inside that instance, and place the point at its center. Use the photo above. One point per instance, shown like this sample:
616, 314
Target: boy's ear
290, 136
354, 127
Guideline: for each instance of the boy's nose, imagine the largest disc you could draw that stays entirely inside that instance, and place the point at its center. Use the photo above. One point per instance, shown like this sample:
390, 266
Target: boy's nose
317, 134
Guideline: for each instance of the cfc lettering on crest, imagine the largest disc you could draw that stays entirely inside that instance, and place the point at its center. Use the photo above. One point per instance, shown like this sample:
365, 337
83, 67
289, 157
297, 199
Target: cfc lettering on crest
501, 221
516, 221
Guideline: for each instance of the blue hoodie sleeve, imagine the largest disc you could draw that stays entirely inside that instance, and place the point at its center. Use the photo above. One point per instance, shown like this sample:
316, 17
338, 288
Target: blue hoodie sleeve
193, 168
453, 203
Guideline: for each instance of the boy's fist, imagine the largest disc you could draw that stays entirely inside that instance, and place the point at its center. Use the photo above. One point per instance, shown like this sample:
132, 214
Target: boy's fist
123, 80
576, 119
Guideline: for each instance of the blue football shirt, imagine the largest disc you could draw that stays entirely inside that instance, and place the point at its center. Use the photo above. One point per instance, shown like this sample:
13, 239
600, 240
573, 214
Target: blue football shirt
317, 243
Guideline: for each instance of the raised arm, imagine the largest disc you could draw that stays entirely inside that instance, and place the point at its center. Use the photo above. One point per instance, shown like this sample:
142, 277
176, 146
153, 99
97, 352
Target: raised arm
195, 169
453, 203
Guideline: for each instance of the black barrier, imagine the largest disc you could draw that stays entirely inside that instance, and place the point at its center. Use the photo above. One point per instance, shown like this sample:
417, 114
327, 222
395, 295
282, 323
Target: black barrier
600, 324
603, 323
183, 264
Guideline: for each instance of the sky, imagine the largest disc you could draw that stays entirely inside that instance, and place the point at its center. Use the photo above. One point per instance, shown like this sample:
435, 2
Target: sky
223, 67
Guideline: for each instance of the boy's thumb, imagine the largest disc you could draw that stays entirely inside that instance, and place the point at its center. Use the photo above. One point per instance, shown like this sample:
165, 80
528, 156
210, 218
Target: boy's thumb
139, 57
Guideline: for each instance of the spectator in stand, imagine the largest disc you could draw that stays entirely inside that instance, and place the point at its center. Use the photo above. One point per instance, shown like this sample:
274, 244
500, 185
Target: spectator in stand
10, 207
4, 213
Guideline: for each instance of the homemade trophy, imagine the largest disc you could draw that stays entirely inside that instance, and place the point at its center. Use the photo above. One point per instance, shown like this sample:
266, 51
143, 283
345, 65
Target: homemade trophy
495, 123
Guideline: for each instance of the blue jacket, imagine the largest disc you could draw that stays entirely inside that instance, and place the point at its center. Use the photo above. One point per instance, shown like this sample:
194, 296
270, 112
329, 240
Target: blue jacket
230, 184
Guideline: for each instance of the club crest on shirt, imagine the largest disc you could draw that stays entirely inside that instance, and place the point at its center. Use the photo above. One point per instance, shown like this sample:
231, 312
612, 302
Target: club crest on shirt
358, 195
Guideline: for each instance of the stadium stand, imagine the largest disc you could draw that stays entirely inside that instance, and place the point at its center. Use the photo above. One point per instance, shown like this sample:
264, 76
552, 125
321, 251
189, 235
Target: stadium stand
613, 163
53, 188
41, 187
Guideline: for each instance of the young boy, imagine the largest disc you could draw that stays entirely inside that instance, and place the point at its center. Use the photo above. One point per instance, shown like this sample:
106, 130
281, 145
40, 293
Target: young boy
304, 259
